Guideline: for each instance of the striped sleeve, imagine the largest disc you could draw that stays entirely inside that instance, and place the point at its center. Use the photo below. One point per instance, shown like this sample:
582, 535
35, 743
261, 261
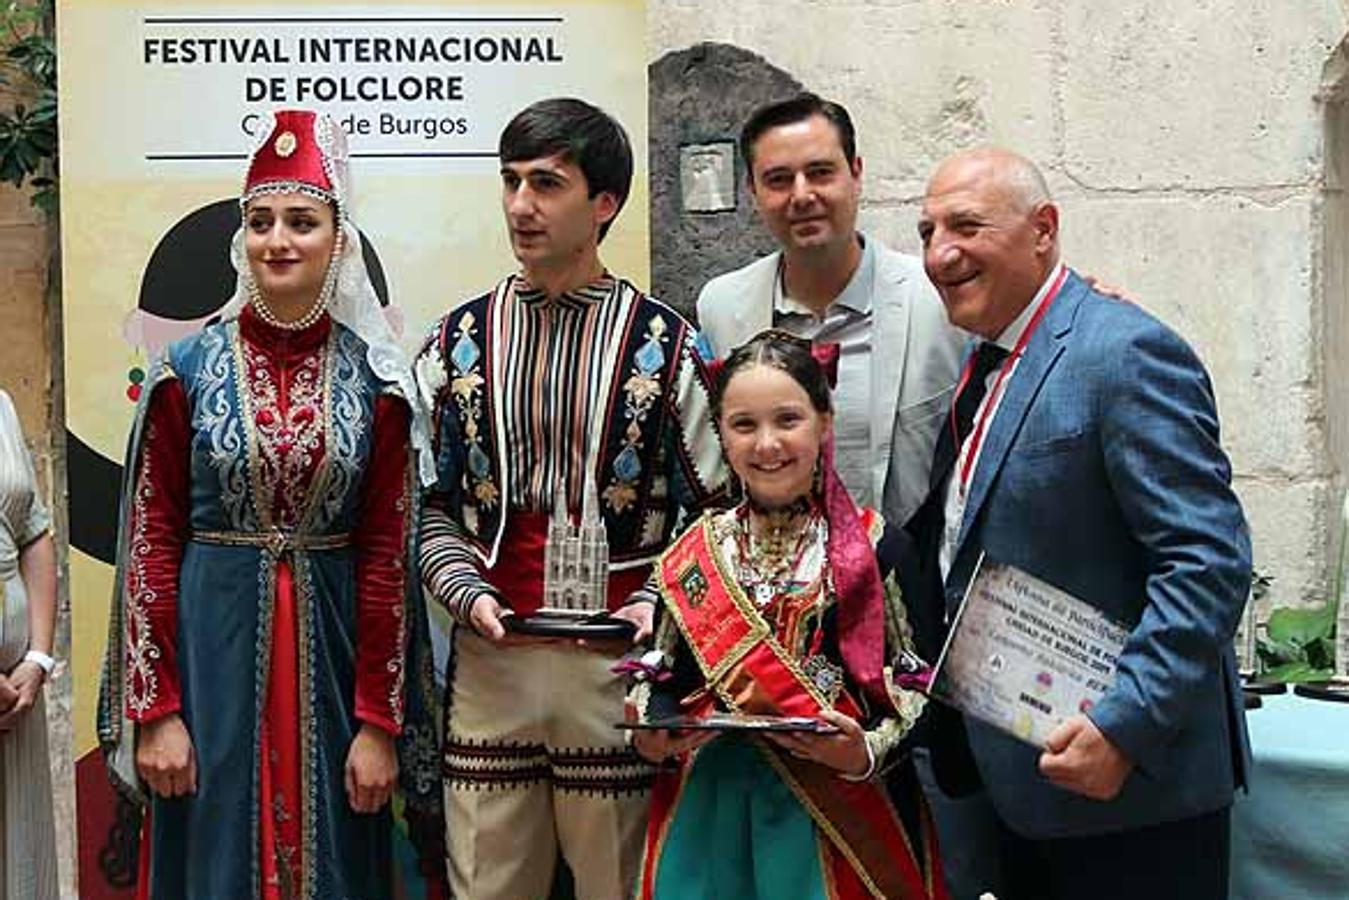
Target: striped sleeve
449, 567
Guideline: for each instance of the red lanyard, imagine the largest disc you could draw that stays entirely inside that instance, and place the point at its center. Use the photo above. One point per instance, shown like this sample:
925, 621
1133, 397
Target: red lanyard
977, 436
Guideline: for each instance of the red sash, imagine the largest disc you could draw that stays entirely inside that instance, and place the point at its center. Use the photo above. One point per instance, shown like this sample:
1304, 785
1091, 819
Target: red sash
750, 671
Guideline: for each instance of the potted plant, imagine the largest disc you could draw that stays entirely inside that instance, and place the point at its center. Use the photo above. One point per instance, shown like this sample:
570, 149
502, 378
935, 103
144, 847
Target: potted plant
1298, 644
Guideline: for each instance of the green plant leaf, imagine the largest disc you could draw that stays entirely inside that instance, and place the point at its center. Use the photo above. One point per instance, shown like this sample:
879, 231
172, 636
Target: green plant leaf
1273, 653
46, 198
1302, 625
1296, 673
28, 113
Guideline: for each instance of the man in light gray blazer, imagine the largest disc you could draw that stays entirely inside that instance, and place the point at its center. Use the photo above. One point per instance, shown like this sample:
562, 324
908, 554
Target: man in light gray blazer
831, 283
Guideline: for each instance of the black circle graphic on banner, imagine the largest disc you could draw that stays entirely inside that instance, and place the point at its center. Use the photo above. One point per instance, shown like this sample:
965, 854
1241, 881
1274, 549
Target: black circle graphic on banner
189, 275
95, 482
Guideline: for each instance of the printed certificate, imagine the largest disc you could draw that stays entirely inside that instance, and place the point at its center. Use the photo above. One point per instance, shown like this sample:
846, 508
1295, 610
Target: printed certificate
1023, 655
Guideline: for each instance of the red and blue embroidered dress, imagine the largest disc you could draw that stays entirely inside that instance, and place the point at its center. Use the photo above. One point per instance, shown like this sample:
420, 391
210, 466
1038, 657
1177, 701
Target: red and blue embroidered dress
265, 599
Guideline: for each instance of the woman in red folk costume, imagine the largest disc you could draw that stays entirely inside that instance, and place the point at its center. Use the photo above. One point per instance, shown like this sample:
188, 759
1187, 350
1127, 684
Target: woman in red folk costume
267, 670
789, 604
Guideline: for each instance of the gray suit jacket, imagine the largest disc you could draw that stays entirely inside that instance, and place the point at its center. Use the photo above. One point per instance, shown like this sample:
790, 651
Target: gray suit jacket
915, 354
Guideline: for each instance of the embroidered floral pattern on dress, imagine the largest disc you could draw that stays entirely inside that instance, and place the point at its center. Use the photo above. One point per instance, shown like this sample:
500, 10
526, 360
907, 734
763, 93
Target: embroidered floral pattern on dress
343, 462
395, 664
420, 749
287, 873
641, 391
289, 443
142, 684
431, 374
214, 417
467, 384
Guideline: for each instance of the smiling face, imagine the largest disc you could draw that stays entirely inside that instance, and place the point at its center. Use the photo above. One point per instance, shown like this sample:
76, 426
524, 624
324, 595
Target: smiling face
289, 240
553, 223
771, 433
804, 188
986, 246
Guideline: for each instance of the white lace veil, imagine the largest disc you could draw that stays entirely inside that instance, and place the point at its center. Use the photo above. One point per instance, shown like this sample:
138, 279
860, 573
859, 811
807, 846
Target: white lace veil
353, 302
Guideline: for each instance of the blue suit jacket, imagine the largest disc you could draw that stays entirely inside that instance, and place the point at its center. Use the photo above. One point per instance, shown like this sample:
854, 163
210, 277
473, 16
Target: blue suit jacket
1101, 473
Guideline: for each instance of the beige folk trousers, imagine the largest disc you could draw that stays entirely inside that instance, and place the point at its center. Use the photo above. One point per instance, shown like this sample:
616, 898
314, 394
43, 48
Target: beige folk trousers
534, 764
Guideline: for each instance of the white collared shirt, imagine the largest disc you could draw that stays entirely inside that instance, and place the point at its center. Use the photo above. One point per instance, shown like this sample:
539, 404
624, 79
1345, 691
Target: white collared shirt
847, 321
955, 489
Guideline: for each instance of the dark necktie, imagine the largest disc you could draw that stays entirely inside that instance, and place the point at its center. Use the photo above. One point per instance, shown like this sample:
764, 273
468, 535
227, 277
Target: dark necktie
986, 358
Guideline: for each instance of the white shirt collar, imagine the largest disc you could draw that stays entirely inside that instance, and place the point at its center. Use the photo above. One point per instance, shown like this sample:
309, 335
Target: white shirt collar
1011, 335
855, 296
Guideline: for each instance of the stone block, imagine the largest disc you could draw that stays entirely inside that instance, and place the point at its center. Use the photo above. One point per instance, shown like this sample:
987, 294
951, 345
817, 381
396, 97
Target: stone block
700, 97
17, 209
1235, 278
1335, 284
25, 364
1198, 94
1290, 537
953, 75
895, 225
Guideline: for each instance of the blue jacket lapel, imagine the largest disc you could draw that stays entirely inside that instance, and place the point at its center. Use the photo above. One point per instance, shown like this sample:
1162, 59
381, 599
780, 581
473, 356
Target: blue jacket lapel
1043, 350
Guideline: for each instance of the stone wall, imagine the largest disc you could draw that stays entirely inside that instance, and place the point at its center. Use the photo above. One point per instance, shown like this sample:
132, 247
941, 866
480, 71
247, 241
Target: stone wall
1187, 143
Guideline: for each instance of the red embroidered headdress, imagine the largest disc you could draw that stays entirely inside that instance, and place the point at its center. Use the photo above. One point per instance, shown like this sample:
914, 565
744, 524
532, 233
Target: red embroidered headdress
298, 151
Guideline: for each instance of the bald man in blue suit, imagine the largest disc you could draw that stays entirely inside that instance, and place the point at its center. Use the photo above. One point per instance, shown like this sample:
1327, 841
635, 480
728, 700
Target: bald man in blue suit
1092, 462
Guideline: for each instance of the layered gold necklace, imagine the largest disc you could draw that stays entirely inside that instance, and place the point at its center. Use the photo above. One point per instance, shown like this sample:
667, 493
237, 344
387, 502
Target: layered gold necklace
771, 544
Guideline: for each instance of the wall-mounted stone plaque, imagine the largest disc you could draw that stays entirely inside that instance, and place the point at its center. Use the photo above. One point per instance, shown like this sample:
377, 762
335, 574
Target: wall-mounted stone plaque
707, 177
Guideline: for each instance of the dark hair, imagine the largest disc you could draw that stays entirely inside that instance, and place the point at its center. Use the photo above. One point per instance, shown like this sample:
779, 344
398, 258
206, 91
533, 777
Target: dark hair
583, 135
779, 350
789, 112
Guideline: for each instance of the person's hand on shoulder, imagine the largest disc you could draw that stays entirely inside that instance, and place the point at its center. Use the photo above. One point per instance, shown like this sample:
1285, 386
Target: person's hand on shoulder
1110, 290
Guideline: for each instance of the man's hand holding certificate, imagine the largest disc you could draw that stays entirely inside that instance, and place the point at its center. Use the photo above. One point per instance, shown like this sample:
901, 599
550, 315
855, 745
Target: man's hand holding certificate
1026, 657
1079, 758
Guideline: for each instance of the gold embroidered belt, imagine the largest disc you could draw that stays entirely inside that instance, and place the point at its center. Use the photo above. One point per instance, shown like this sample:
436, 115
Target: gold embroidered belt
276, 542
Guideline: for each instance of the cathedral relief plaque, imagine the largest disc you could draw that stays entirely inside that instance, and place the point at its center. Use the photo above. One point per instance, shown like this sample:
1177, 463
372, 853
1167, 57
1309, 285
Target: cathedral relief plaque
707, 177
575, 578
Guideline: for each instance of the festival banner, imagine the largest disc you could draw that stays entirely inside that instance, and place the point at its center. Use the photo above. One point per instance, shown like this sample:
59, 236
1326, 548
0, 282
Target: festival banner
158, 104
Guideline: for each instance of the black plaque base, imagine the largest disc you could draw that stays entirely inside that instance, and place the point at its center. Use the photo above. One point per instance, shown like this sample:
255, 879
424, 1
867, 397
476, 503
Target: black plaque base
578, 625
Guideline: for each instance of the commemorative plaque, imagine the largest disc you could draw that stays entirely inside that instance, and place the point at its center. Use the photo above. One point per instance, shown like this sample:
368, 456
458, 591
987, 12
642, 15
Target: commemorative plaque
1024, 655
